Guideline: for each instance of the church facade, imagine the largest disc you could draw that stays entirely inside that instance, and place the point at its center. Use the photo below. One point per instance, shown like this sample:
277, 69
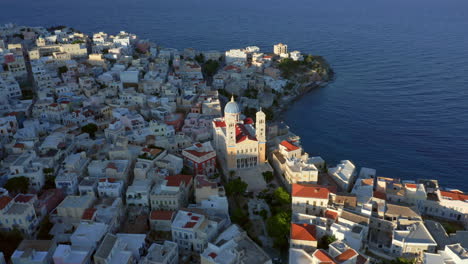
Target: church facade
240, 142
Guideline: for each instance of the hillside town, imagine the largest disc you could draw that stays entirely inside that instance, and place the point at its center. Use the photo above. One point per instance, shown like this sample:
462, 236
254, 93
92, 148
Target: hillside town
115, 150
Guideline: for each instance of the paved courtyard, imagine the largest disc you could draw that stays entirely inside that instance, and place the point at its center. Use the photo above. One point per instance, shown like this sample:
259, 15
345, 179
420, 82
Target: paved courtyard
254, 178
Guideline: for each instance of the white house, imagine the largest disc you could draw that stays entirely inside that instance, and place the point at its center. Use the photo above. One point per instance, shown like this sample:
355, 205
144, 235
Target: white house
235, 55
138, 193
343, 174
166, 253
110, 187
309, 199
192, 231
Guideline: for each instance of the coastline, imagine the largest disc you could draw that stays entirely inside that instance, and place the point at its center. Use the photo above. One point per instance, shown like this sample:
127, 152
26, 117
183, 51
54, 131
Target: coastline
278, 113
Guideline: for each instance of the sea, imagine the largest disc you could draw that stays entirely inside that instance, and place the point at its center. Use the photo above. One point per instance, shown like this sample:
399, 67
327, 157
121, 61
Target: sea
399, 101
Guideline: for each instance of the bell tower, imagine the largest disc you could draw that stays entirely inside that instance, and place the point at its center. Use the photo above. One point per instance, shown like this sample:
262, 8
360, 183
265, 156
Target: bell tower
231, 117
260, 133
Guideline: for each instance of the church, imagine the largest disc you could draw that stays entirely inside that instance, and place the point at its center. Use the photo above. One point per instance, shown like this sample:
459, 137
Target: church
238, 141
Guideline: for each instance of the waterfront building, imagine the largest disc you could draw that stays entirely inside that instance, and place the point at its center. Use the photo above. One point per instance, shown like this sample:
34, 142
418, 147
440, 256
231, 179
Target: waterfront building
240, 143
296, 55
280, 49
451, 205
235, 56
343, 174
412, 241
452, 254
294, 165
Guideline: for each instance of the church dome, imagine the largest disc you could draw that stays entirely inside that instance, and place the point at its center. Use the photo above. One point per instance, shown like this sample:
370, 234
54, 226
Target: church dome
232, 107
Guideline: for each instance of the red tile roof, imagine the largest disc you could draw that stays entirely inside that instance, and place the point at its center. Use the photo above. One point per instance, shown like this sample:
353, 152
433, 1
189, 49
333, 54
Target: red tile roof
197, 153
361, 259
323, 256
248, 121
177, 180
189, 224
331, 214
202, 182
454, 195
4, 201
303, 232
288, 145
88, 213
161, 215
242, 133
219, 123
309, 191
231, 67
111, 165
346, 255
19, 145
380, 195
367, 181
111, 180
411, 185
23, 198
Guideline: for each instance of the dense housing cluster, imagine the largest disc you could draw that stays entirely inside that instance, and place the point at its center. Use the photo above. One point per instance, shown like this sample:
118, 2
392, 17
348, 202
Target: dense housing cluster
116, 150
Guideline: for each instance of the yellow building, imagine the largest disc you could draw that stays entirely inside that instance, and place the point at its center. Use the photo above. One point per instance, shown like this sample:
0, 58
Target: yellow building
239, 142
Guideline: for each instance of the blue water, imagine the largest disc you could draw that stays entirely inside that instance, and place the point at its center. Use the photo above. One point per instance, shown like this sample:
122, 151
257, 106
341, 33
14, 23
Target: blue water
400, 98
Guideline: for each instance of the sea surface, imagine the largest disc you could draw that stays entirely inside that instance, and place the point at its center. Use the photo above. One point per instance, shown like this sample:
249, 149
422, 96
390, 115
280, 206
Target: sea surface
399, 103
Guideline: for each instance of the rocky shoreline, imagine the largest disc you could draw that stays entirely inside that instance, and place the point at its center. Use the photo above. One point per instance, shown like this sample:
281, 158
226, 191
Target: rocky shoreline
286, 103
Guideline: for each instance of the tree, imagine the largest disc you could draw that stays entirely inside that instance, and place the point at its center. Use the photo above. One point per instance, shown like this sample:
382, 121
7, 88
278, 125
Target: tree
400, 261
48, 170
236, 186
268, 176
264, 214
210, 67
44, 229
90, 129
278, 228
326, 241
289, 86
49, 182
239, 217
251, 93
200, 58
289, 67
9, 241
282, 196
62, 69
17, 185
